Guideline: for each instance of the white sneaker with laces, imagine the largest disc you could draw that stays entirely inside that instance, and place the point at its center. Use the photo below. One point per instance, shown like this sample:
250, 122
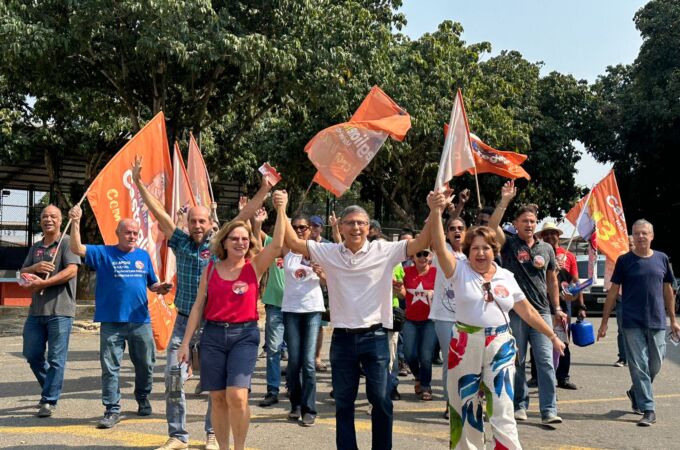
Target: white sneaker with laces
173, 444
211, 442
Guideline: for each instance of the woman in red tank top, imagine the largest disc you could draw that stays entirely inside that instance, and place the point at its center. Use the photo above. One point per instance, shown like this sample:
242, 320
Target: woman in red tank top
227, 300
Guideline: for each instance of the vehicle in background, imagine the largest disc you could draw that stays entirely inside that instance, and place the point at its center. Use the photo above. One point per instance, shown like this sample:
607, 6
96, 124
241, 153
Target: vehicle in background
595, 295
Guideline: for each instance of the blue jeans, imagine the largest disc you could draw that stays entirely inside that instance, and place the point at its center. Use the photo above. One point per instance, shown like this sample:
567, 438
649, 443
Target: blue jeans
647, 349
176, 411
371, 352
419, 342
52, 332
443, 329
273, 337
301, 330
543, 353
620, 341
112, 338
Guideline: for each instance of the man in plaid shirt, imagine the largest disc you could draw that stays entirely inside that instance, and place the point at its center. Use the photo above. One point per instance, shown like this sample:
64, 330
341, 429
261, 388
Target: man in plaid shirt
192, 254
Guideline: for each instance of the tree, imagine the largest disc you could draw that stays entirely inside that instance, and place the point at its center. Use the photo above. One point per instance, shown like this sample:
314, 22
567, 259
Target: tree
634, 122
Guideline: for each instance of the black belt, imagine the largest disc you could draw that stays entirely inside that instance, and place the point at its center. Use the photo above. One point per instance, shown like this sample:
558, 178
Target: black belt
231, 324
377, 326
182, 314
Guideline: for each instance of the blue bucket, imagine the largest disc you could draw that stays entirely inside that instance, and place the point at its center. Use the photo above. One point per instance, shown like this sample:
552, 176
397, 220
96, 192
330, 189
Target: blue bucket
582, 333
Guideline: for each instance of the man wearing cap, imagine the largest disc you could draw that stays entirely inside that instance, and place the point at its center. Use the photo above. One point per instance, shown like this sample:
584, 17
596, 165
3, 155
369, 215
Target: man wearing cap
567, 273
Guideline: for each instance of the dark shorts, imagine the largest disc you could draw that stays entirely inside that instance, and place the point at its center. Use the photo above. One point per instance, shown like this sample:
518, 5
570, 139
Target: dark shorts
228, 356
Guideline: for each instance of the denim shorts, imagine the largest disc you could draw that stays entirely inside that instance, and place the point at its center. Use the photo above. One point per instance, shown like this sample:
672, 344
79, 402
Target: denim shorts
228, 356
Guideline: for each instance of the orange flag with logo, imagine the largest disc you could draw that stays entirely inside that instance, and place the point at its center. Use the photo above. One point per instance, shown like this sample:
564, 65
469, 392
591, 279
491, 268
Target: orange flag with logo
342, 151
198, 175
603, 216
114, 196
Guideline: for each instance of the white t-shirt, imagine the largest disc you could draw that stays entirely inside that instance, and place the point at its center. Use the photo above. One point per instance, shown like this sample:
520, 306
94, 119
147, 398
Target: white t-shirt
359, 284
471, 308
443, 299
301, 292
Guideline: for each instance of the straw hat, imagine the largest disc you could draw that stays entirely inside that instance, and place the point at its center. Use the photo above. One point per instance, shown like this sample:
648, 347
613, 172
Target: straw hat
549, 226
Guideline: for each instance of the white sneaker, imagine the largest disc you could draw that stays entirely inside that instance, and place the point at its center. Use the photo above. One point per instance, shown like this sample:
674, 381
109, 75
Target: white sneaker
211, 442
551, 420
173, 444
521, 414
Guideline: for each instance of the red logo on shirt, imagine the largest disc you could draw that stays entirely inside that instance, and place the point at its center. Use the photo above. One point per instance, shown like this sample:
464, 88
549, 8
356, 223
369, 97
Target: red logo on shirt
139, 265
39, 253
523, 256
205, 254
53, 252
240, 287
279, 263
500, 291
300, 274
539, 261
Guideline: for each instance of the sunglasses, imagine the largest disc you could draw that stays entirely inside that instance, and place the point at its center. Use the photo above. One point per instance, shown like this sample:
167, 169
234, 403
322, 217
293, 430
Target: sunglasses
300, 227
459, 228
488, 295
422, 254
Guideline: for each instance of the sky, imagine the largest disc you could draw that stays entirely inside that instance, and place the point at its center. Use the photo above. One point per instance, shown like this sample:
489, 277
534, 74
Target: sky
578, 37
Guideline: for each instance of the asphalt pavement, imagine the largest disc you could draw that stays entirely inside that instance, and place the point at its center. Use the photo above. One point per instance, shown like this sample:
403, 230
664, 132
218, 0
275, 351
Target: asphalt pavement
596, 416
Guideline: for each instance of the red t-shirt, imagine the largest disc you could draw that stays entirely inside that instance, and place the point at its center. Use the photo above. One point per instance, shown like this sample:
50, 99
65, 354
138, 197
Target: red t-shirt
232, 301
569, 262
419, 289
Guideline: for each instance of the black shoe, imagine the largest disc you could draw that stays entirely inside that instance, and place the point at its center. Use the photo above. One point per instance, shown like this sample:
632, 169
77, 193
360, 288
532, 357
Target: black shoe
446, 413
269, 400
46, 410
294, 414
308, 420
437, 361
633, 403
532, 383
144, 408
395, 395
109, 420
403, 369
566, 384
648, 418
330, 394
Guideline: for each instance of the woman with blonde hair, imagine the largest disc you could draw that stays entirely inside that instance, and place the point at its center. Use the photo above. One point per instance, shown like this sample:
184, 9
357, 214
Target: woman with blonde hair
482, 348
227, 300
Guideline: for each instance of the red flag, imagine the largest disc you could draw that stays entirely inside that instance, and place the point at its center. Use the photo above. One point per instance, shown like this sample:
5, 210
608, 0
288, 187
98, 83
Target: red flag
198, 175
602, 218
457, 152
342, 151
113, 196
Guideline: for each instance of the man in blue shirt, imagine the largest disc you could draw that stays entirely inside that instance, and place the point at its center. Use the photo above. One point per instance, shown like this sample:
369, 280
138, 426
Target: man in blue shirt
124, 272
646, 278
192, 254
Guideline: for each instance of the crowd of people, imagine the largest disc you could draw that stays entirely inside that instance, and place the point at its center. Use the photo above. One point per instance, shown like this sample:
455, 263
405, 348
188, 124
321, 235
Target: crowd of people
481, 294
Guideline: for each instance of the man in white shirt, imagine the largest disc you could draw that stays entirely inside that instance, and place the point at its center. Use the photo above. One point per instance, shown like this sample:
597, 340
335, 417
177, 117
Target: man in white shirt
359, 280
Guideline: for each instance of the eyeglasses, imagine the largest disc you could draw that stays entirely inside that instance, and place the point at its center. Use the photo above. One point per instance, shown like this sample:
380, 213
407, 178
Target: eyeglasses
422, 254
355, 223
300, 227
460, 228
488, 295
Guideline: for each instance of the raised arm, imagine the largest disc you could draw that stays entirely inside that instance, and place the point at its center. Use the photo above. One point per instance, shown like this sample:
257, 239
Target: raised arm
291, 240
447, 261
262, 260
165, 222
508, 192
75, 214
256, 223
454, 211
254, 203
335, 228
436, 202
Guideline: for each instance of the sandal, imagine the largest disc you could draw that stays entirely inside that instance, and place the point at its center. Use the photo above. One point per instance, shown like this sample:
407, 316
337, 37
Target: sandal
417, 389
427, 396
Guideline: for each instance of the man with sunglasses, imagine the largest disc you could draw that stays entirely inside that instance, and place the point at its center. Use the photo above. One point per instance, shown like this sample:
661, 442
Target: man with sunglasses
359, 279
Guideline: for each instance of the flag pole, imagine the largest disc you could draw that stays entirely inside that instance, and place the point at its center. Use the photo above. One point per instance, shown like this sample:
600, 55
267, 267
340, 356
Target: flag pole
304, 197
68, 224
580, 215
467, 128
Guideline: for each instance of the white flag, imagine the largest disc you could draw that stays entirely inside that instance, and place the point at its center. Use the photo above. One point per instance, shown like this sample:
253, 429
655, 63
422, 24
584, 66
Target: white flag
457, 151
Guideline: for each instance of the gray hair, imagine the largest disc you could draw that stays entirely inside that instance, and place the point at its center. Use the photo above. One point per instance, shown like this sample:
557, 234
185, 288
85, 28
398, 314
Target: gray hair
353, 209
641, 222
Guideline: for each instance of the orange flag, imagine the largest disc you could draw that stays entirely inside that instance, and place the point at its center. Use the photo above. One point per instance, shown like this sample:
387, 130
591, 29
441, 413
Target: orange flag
198, 175
342, 151
603, 216
114, 196
457, 151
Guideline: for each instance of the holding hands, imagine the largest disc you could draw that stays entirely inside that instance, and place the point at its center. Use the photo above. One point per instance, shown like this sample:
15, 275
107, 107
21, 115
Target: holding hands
280, 200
